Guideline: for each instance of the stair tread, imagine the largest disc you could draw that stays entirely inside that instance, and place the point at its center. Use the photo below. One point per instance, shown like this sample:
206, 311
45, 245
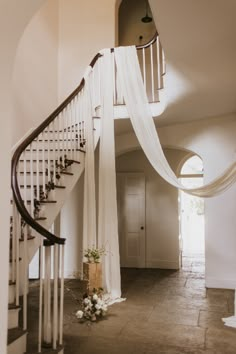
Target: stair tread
11, 283
10, 260
13, 307
28, 186
48, 350
46, 201
14, 334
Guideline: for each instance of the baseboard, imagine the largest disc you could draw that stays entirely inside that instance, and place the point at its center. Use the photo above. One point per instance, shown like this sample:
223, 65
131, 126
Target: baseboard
162, 264
220, 283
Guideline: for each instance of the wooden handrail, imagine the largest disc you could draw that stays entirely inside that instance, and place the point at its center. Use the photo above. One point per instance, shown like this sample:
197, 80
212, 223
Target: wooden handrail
15, 159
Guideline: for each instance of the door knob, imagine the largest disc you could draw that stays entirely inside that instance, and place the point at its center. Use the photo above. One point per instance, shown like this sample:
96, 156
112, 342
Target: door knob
142, 228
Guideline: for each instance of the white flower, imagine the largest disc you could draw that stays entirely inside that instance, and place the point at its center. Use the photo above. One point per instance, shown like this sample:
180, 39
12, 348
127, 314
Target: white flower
97, 307
87, 301
99, 302
79, 314
104, 308
97, 312
95, 297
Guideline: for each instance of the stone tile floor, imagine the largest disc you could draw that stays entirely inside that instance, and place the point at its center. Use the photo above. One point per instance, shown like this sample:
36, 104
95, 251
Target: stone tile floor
166, 312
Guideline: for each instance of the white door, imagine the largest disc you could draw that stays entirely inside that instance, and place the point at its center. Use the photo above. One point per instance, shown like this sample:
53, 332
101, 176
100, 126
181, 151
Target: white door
131, 216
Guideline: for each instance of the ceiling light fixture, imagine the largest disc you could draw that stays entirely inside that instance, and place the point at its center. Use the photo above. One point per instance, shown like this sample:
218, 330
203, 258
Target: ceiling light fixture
146, 18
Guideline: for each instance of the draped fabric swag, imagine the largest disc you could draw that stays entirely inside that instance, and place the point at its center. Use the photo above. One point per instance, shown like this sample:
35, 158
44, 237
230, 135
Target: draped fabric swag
122, 66
89, 215
130, 79
107, 212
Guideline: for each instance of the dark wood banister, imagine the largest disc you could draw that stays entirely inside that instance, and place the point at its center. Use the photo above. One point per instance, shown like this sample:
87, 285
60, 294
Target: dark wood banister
15, 159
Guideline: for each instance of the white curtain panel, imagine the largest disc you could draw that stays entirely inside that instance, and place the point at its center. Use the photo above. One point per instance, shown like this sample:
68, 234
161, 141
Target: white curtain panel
107, 212
89, 215
130, 80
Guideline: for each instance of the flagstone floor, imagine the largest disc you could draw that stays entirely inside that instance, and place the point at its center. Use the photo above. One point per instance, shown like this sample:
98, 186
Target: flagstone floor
166, 312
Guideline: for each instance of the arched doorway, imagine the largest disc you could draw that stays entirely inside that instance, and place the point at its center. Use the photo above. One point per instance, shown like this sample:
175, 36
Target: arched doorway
191, 210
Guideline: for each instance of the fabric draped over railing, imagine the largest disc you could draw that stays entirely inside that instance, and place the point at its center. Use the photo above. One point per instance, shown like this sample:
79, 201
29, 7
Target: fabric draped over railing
133, 91
107, 212
89, 214
105, 235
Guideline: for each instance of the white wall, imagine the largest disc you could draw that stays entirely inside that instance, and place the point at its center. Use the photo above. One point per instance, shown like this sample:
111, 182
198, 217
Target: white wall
14, 16
214, 141
72, 229
162, 231
85, 28
35, 84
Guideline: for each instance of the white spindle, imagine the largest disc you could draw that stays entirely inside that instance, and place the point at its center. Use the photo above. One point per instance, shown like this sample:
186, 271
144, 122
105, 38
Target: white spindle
55, 298
158, 65
48, 153
58, 140
47, 296
144, 68
37, 168
152, 73
41, 250
25, 281
61, 296
31, 180
18, 233
67, 127
25, 178
43, 163
54, 151
63, 135
13, 240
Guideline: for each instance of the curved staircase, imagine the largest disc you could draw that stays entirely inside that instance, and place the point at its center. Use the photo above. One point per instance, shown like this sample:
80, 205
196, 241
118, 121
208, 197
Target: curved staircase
45, 168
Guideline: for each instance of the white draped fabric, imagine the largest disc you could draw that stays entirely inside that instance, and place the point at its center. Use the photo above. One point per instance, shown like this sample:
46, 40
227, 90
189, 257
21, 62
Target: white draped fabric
130, 80
107, 212
89, 215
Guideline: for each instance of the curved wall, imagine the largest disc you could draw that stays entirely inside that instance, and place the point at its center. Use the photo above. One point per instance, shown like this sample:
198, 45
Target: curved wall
214, 141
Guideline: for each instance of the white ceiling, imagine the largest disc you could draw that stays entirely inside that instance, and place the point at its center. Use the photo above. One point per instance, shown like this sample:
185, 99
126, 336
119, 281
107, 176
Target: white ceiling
199, 40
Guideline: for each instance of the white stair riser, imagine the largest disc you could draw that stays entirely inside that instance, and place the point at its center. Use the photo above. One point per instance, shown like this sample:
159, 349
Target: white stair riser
11, 293
18, 346
13, 318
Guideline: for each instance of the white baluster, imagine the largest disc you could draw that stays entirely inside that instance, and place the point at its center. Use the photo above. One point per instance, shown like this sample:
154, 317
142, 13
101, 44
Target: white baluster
144, 68
152, 73
18, 235
13, 241
31, 181
37, 169
61, 296
25, 281
54, 151
63, 135
43, 163
48, 154
47, 296
41, 272
55, 298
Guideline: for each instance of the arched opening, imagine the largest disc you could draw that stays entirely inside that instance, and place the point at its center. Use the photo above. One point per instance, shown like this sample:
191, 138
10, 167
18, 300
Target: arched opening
131, 27
191, 210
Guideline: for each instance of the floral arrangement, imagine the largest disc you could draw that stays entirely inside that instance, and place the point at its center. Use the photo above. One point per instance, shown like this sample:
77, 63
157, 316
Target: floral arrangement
93, 306
93, 254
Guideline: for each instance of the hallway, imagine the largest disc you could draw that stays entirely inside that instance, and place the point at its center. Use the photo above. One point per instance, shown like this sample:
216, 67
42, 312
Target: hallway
166, 312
